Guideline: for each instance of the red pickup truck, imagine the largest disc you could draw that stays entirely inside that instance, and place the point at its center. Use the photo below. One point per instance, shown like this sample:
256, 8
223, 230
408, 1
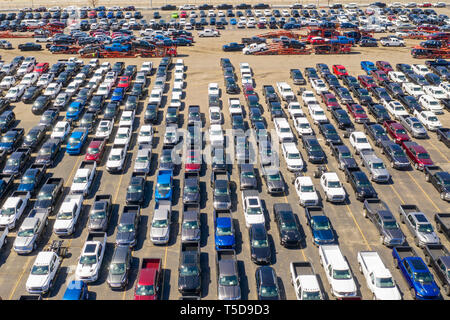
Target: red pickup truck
330, 100
380, 76
367, 82
339, 70
149, 280
396, 131
417, 154
384, 66
96, 150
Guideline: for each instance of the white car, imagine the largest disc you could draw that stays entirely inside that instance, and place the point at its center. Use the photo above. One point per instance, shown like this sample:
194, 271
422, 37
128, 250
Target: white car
45, 79
285, 13
302, 126
171, 135
12, 210
123, 137
7, 82
61, 130
295, 110
429, 103
396, 109
73, 87
319, 85
234, 107
104, 89
147, 67
127, 119
392, 42
308, 96
292, 156
142, 162
358, 141
104, 129
215, 115
43, 272
116, 159
444, 85
216, 136
53, 89
69, 212
244, 67
420, 69
25, 68
283, 130
155, 96
428, 119
332, 187
306, 191
246, 79
111, 77
317, 113
397, 76
436, 92
15, 93
145, 135
412, 89
208, 33
29, 79
252, 207
285, 91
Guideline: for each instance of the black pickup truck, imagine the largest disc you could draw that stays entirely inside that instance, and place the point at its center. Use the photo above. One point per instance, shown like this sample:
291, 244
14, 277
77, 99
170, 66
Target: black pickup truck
440, 179
438, 257
443, 134
253, 40
360, 183
442, 221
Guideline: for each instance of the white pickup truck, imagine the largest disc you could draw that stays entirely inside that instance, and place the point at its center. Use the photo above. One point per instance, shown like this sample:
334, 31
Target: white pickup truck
234, 106
253, 210
305, 282
68, 214
254, 47
13, 208
306, 191
208, 33
285, 91
84, 178
338, 272
43, 272
91, 257
378, 277
30, 231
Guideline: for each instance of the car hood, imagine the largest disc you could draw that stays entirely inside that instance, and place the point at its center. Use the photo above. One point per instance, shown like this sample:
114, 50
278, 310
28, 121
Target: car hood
344, 285
429, 237
388, 294
9, 168
401, 159
115, 278
380, 172
191, 197
125, 237
190, 234
229, 292
188, 283
275, 184
96, 223
317, 154
135, 196
394, 234
366, 191
62, 224
323, 235
248, 181
224, 240
43, 159
5, 220
222, 199
290, 235
261, 253
86, 270
349, 162
46, 204
25, 187
36, 281
23, 241
159, 232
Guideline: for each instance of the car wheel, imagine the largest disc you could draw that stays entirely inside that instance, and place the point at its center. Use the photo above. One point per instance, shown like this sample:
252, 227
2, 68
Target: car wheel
365, 213
416, 166
439, 138
34, 246
428, 260
443, 195
447, 289
416, 241
413, 293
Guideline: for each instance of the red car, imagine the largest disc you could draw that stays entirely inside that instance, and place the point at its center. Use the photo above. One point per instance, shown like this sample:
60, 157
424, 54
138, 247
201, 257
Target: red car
124, 82
149, 280
248, 90
428, 27
396, 131
261, 25
384, 66
425, 5
357, 112
330, 100
193, 161
339, 70
183, 14
316, 40
96, 150
92, 14
367, 82
380, 76
417, 154
41, 67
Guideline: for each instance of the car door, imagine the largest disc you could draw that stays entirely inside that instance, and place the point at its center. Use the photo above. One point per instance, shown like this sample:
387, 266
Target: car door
408, 273
411, 223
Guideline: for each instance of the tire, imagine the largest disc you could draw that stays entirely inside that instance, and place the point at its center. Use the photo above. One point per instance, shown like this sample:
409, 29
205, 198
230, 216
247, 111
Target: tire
395, 263
365, 213
402, 219
392, 164
360, 268
427, 177
381, 240
428, 260
443, 195
34, 245
413, 293
447, 289
416, 166
416, 241
439, 227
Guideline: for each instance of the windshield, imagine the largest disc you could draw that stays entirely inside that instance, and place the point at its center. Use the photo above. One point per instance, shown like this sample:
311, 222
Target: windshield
79, 180
114, 157
125, 227
307, 188
25, 233
160, 223
385, 282
425, 227
224, 231
424, 277
190, 225
334, 184
7, 139
228, 280
260, 243
321, 224
254, 211
142, 290
90, 259
142, 159
39, 270
220, 191
432, 119
98, 215
390, 225
191, 189
268, 291
74, 140
163, 186
341, 274
117, 268
378, 165
274, 177
315, 295
423, 156
294, 156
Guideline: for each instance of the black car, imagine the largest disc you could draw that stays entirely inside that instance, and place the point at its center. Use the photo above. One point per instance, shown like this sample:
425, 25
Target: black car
48, 152
381, 94
395, 154
267, 284
237, 122
138, 90
29, 46
270, 94
96, 104
313, 149
433, 79
11, 139
194, 115
226, 63
172, 115
363, 96
41, 103
360, 183
31, 93
297, 77
49, 118
111, 111
331, 80
276, 111
64, 78
151, 113
130, 71
127, 227
323, 69
311, 73
344, 96
131, 103
417, 79
136, 189
341, 118
394, 89
379, 112
350, 81
88, 121
442, 72
34, 137
6, 185
329, 133
288, 228
17, 162
7, 119
410, 103
376, 132
189, 269
404, 67
260, 250
118, 67
57, 68
231, 86
4, 104
344, 157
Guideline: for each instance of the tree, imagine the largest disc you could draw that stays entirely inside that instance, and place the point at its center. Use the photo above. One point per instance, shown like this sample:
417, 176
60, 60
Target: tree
93, 3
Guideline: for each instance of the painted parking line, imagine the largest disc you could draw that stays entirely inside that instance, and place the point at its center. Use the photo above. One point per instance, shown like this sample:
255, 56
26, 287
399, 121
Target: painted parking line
426, 194
20, 278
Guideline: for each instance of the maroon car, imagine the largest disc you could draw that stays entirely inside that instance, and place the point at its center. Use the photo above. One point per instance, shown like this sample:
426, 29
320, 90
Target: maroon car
380, 76
367, 82
330, 100
384, 66
417, 154
396, 131
357, 112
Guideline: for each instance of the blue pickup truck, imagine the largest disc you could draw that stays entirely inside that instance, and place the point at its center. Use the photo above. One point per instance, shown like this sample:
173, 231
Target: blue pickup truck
118, 47
76, 290
368, 67
233, 46
224, 235
343, 40
74, 111
322, 231
164, 185
416, 273
77, 140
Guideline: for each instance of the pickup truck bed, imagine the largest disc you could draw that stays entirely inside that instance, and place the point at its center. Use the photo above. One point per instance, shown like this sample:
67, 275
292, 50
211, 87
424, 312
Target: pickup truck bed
408, 208
150, 263
96, 236
301, 269
443, 223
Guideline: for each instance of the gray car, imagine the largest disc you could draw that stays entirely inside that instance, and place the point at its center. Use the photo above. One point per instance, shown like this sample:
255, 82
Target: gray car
414, 126
127, 228
273, 179
267, 156
119, 268
99, 216
247, 176
375, 165
221, 191
190, 227
191, 188
228, 287
166, 159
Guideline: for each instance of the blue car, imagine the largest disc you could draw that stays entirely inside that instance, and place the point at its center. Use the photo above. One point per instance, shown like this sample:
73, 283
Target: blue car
10, 139
320, 225
101, 14
110, 15
182, 42
164, 184
368, 66
224, 236
29, 181
118, 95
74, 111
76, 290
233, 46
77, 140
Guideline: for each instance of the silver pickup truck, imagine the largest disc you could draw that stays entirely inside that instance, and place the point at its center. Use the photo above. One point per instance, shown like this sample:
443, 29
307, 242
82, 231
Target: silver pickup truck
414, 126
418, 224
375, 165
30, 231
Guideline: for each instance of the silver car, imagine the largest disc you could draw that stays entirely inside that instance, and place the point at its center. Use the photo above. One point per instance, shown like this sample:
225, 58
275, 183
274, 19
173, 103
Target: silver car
190, 227
119, 268
375, 165
414, 126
